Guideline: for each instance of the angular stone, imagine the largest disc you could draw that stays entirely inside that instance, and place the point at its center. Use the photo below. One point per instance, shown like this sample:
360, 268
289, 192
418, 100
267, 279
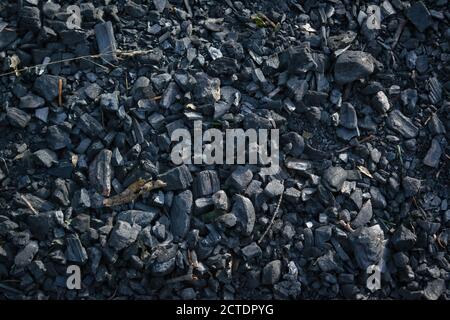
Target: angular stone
271, 272
57, 138
401, 124
364, 216
245, 214
47, 86
251, 251
239, 179
106, 42
206, 183
367, 245
180, 214
75, 252
353, 65
419, 16
411, 186
220, 200
31, 101
207, 90
110, 101
403, 239
26, 255
334, 178
178, 178
274, 188
139, 217
433, 155
17, 117
46, 157
380, 102
89, 125
100, 172
123, 235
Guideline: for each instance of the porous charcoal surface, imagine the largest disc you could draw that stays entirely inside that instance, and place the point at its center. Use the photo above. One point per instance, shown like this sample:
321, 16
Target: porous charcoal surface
361, 101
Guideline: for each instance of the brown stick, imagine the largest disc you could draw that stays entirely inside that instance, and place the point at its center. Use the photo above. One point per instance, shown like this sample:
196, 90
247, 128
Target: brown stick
28, 204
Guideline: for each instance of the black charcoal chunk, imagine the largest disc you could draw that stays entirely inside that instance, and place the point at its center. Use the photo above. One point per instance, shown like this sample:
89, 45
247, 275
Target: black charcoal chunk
180, 214
100, 172
206, 183
239, 179
17, 117
271, 272
367, 245
123, 235
403, 239
353, 65
26, 255
47, 86
364, 216
245, 214
401, 124
57, 138
411, 186
106, 42
31, 101
419, 16
433, 155
75, 252
207, 89
178, 178
334, 178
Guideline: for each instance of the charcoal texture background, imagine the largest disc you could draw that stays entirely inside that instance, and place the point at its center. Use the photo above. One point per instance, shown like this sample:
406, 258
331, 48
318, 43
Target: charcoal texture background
361, 101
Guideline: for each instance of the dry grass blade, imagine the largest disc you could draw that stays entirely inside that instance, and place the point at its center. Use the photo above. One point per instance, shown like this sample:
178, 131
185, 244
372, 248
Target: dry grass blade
133, 191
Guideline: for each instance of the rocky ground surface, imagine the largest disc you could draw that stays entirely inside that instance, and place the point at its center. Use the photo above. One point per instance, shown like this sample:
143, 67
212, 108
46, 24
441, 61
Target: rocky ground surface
358, 89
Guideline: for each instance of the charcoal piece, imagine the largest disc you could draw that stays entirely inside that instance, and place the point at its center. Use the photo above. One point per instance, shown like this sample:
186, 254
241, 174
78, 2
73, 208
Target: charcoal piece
178, 178
75, 252
401, 124
92, 91
46, 157
274, 188
220, 108
377, 198
419, 15
207, 89
110, 101
203, 205
341, 40
60, 192
180, 214
57, 138
30, 18
47, 86
403, 239
334, 178
239, 179
17, 117
436, 126
367, 244
434, 153
81, 223
206, 183
223, 66
251, 251
6, 38
81, 199
26, 255
364, 216
434, 289
170, 95
106, 42
271, 272
123, 235
89, 125
380, 102
298, 59
139, 217
31, 101
160, 5
409, 98
245, 214
220, 200
353, 65
100, 172
347, 116
296, 142
411, 186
